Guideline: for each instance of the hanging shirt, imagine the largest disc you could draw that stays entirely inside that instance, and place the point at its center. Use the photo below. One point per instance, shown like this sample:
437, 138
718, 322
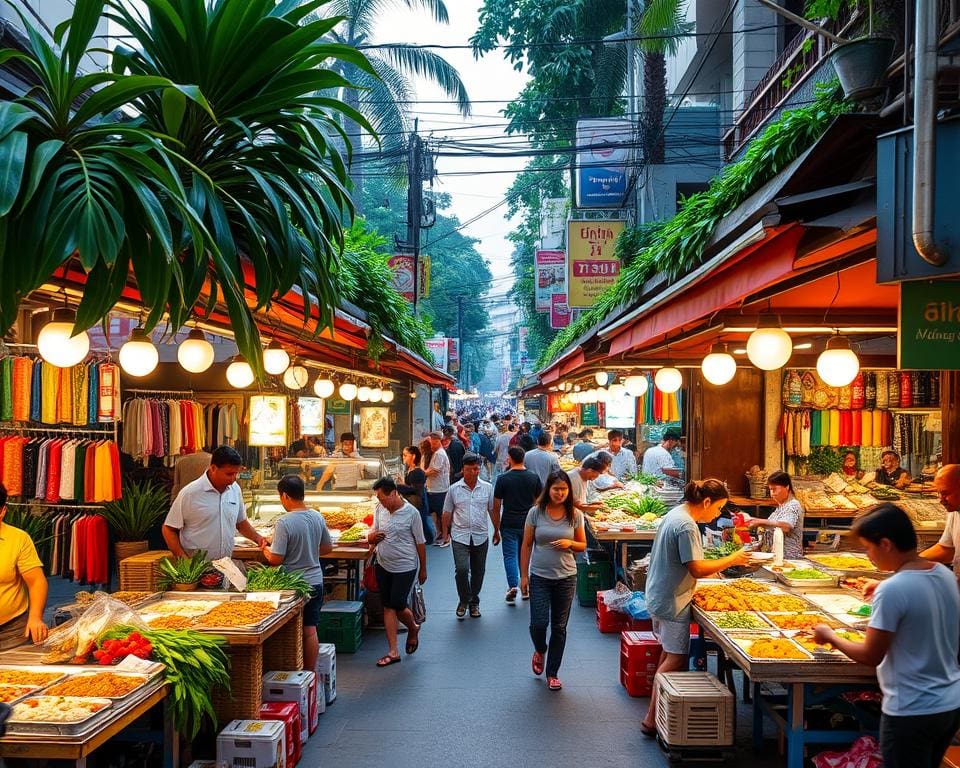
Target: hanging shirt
50, 398
36, 390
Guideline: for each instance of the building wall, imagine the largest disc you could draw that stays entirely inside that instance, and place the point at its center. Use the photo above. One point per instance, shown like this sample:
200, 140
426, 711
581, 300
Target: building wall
755, 37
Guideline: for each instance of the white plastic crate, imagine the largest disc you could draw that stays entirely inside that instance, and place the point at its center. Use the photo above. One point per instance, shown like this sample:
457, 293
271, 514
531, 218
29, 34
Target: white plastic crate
253, 744
694, 709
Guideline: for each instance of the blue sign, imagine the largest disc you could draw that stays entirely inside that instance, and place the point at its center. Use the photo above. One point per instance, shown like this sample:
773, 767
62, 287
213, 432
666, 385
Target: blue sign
604, 150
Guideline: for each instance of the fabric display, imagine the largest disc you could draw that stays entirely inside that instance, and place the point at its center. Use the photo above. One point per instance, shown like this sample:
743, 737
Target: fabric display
870, 390
166, 428
56, 470
910, 437
80, 549
33, 390
656, 407
801, 430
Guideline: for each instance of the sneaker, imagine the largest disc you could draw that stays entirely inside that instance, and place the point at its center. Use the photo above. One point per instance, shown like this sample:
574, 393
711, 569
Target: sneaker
511, 596
446, 543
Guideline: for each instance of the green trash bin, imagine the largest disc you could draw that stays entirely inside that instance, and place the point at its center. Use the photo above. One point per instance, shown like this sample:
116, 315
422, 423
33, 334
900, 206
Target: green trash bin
593, 577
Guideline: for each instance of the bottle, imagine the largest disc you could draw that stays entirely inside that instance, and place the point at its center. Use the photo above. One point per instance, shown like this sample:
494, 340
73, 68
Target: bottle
777, 546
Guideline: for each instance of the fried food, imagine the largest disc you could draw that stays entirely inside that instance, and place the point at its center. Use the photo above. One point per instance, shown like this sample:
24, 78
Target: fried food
10, 692
774, 648
34, 679
171, 622
801, 620
103, 685
237, 613
844, 562
775, 603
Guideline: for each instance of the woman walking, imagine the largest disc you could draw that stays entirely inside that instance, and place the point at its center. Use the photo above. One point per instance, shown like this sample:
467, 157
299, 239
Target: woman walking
676, 562
414, 489
548, 571
398, 536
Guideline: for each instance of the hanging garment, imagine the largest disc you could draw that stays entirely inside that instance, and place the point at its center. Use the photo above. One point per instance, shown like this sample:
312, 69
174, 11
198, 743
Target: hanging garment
53, 472
806, 433
6, 389
815, 428
36, 390
68, 469
22, 385
93, 392
108, 407
834, 427
856, 437
878, 428
866, 437
846, 427
65, 401
50, 396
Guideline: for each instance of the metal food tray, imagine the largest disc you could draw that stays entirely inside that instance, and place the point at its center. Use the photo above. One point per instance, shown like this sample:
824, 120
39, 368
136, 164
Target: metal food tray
226, 597
145, 677
737, 637
70, 608
713, 615
870, 573
74, 728
771, 617
61, 671
822, 652
31, 691
831, 581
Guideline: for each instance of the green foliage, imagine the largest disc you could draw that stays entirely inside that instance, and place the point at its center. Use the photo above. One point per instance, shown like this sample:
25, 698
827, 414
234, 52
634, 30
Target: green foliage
825, 459
37, 527
138, 509
679, 243
262, 578
184, 570
826, 9
366, 280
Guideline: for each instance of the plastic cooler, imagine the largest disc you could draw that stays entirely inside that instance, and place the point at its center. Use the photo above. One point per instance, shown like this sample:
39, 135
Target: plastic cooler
295, 687
326, 676
592, 577
639, 658
341, 623
694, 709
288, 713
253, 744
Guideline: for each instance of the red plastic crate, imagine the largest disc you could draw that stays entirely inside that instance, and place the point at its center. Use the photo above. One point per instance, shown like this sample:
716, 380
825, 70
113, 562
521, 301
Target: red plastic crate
287, 712
639, 658
641, 625
609, 621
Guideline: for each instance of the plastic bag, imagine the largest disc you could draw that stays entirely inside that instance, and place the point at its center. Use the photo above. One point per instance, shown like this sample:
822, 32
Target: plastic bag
617, 598
417, 604
637, 607
863, 753
76, 640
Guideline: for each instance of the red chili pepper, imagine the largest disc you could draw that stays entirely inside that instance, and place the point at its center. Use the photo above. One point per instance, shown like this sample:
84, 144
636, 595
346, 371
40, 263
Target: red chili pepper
106, 660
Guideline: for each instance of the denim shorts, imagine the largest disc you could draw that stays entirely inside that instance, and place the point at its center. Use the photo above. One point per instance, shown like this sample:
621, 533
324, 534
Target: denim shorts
674, 636
311, 611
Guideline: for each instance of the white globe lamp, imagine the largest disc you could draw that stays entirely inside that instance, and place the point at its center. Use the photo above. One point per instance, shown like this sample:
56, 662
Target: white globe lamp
275, 358
388, 396
138, 356
363, 394
348, 391
56, 342
295, 377
617, 391
239, 373
769, 347
323, 388
838, 365
195, 353
376, 395
601, 377
668, 380
719, 367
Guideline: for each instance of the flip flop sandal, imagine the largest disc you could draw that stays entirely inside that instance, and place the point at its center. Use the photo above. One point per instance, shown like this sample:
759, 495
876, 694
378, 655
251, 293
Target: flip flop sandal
537, 663
386, 661
554, 684
411, 648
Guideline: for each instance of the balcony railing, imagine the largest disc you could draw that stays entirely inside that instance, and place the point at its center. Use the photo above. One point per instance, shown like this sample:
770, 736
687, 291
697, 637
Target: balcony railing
798, 62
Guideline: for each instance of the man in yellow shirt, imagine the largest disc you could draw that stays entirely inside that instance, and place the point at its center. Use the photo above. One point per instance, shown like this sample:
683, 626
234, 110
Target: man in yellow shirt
23, 587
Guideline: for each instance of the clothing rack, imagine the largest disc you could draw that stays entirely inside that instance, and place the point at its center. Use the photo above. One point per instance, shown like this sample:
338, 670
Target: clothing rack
105, 429
189, 392
57, 506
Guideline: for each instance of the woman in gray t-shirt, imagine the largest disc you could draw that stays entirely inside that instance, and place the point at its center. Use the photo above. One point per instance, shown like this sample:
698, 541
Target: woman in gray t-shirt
548, 571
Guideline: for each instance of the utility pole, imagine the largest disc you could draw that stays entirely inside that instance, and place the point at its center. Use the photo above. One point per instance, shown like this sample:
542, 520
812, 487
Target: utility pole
460, 298
414, 207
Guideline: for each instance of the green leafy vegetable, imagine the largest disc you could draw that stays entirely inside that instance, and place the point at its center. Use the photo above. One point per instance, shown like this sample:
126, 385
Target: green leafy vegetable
805, 573
184, 570
645, 479
262, 578
722, 550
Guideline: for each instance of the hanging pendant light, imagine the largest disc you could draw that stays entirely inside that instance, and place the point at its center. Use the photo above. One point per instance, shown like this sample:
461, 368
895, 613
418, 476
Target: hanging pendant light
601, 377
617, 391
296, 377
668, 380
636, 386
195, 353
719, 367
376, 395
363, 394
388, 395
348, 391
239, 373
138, 356
275, 358
56, 342
324, 387
769, 347
838, 364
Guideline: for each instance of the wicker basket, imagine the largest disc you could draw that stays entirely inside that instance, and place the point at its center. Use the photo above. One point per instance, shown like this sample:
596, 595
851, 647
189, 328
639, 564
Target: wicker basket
141, 573
758, 488
283, 650
694, 709
242, 701
125, 549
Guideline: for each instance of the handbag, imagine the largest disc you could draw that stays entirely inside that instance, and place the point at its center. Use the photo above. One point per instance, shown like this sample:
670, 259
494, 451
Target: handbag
417, 605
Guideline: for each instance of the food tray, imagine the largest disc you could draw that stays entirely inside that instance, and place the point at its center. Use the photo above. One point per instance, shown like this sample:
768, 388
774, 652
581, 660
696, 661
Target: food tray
59, 672
714, 617
817, 561
829, 619
16, 693
72, 728
830, 582
744, 640
223, 597
823, 651
135, 693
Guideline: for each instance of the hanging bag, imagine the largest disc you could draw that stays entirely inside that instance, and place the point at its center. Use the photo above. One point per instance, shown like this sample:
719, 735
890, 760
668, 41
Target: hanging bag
417, 604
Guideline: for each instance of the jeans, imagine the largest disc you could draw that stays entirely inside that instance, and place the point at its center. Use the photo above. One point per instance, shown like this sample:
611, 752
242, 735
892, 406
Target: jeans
429, 530
550, 601
510, 539
918, 741
470, 562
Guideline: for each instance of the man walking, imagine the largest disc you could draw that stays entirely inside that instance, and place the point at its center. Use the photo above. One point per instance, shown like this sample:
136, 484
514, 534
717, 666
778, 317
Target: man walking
438, 483
585, 447
516, 491
455, 451
541, 459
465, 512
501, 447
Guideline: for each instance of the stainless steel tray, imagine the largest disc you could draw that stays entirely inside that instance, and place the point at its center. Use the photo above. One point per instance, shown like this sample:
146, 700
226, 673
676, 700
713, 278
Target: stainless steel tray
27, 692
144, 678
59, 671
225, 597
831, 581
870, 573
51, 728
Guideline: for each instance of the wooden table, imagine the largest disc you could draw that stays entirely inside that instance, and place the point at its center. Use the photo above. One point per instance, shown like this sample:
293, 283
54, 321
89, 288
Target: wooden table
353, 556
623, 540
807, 683
47, 747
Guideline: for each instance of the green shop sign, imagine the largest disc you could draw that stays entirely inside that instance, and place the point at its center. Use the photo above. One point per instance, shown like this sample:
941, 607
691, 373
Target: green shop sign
589, 415
338, 407
929, 332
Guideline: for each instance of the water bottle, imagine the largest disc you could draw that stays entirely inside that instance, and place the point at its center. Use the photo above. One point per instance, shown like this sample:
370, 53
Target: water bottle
777, 546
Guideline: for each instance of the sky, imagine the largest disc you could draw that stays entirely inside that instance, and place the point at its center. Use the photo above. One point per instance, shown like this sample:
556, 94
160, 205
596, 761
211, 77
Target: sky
490, 78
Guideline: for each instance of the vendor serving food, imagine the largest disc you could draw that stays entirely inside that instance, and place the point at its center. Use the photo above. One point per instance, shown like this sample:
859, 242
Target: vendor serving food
788, 517
676, 562
23, 587
207, 511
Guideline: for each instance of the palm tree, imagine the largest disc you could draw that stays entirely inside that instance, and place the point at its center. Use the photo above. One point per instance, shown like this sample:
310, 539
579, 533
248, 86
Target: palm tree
384, 95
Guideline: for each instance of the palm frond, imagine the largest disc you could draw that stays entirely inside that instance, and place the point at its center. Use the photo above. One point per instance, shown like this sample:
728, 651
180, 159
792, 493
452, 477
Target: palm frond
663, 23
423, 63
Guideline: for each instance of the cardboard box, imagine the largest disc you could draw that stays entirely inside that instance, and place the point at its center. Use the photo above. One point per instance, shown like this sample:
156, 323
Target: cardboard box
253, 744
327, 673
291, 686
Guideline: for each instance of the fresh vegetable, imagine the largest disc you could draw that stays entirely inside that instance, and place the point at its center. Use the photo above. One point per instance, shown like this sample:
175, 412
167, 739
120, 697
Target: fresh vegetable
196, 664
739, 620
266, 579
644, 479
354, 533
112, 651
635, 506
805, 573
722, 550
184, 570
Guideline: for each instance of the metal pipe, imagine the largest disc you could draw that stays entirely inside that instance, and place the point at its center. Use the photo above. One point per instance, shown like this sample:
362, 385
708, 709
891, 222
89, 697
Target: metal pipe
802, 22
924, 132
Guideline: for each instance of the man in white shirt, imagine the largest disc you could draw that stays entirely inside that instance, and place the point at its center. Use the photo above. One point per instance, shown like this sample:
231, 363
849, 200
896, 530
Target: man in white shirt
347, 450
208, 511
438, 483
657, 460
468, 506
591, 469
541, 459
624, 463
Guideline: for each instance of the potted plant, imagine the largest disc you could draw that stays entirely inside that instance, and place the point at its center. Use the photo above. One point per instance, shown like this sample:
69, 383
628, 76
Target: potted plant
132, 516
183, 574
860, 63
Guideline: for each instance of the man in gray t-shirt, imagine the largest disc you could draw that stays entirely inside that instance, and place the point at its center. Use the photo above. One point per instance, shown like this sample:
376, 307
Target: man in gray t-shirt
300, 539
541, 460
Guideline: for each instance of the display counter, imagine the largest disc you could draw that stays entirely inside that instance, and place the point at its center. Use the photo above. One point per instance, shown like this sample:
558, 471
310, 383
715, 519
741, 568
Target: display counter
341, 474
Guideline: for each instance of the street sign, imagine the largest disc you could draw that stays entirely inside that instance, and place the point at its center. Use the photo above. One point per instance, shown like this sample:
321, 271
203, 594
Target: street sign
402, 267
549, 277
604, 146
928, 337
559, 311
592, 266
